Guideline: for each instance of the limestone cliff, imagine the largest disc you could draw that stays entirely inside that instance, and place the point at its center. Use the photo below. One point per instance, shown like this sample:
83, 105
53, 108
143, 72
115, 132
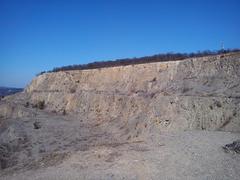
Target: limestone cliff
196, 93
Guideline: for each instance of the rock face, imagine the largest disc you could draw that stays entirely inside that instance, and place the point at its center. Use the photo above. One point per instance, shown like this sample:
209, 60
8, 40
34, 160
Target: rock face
198, 93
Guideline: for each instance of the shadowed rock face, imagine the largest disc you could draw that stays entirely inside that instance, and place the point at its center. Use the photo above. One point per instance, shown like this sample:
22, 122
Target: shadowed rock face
198, 93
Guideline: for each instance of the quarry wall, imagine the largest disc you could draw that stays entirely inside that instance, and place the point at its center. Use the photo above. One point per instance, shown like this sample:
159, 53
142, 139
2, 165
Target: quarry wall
196, 93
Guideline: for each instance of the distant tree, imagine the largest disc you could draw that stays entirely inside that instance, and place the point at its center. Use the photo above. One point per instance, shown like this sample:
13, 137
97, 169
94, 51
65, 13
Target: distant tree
38, 74
147, 59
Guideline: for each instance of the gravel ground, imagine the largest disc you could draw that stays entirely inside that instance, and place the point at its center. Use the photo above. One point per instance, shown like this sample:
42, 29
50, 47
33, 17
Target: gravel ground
182, 155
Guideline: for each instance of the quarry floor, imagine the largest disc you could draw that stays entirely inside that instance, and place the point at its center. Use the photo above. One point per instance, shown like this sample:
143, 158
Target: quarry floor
61, 147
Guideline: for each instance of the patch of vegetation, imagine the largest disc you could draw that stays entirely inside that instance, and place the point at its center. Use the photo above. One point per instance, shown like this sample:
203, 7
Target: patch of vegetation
36, 125
39, 105
27, 104
218, 104
233, 147
234, 113
38, 74
147, 59
64, 112
153, 80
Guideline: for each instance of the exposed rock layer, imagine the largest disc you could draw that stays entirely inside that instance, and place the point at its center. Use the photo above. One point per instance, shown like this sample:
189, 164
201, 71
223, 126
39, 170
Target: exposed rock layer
197, 93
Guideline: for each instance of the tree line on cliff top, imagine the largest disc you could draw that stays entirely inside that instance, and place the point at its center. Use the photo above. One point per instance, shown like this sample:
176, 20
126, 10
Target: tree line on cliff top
141, 60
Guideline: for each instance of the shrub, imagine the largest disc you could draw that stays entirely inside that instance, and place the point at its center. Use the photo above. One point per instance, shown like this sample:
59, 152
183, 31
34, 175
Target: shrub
147, 59
218, 104
72, 90
39, 105
64, 112
27, 104
234, 113
36, 125
38, 74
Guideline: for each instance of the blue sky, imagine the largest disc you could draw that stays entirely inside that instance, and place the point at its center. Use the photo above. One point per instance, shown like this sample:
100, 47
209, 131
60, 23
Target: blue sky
37, 35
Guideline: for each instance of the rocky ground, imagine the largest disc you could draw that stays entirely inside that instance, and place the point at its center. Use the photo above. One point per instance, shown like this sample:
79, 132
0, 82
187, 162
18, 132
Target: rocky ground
51, 146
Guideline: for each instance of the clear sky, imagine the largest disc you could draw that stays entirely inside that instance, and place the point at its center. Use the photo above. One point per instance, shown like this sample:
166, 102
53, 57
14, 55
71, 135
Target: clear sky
37, 35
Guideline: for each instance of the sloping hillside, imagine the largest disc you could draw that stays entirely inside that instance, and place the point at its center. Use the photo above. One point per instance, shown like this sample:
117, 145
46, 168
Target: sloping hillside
4, 91
162, 120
